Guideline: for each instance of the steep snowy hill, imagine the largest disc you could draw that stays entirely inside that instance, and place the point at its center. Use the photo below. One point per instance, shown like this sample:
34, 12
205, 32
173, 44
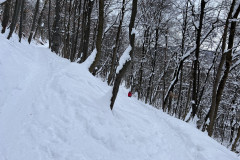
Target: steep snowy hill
51, 109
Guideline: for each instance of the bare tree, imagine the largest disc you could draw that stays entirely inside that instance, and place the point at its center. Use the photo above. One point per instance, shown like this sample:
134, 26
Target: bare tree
34, 21
227, 58
92, 68
196, 73
21, 21
6, 15
56, 35
15, 17
122, 71
234, 145
114, 54
39, 23
49, 26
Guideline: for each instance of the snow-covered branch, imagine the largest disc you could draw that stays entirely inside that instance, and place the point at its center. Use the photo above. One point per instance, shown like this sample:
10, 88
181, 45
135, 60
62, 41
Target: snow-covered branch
124, 58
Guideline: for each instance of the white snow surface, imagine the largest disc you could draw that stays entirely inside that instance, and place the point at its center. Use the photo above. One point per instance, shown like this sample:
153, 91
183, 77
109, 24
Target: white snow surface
124, 58
51, 109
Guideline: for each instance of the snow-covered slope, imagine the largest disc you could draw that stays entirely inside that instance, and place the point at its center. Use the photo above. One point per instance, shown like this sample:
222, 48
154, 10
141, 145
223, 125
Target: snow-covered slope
51, 109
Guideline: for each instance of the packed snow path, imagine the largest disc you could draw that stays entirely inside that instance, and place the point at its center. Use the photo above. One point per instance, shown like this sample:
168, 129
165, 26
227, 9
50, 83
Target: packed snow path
51, 109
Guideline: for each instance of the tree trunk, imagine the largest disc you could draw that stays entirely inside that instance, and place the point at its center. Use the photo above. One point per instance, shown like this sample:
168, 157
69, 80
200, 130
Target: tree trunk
34, 21
219, 70
196, 62
126, 65
154, 65
74, 52
56, 35
6, 15
67, 53
49, 25
232, 130
15, 17
235, 141
21, 21
184, 29
149, 88
92, 68
146, 32
217, 97
164, 100
94, 36
111, 74
73, 35
39, 24
84, 21
87, 30
187, 103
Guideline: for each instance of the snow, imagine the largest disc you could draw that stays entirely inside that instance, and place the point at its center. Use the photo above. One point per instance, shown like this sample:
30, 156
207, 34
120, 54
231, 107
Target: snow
208, 121
1, 1
234, 20
134, 31
188, 53
196, 24
51, 109
90, 59
124, 58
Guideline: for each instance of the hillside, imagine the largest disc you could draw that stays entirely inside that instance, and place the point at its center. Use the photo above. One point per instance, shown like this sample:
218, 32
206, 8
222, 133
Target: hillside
51, 109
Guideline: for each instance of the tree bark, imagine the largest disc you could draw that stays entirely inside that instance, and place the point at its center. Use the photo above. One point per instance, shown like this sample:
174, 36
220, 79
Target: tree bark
87, 30
111, 74
6, 15
21, 21
66, 47
84, 21
15, 17
49, 25
34, 21
40, 19
74, 52
184, 29
216, 98
127, 64
235, 141
149, 88
73, 35
56, 35
92, 68
196, 61
146, 33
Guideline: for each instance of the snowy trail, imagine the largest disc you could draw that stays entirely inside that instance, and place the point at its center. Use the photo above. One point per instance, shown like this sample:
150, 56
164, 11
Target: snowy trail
51, 109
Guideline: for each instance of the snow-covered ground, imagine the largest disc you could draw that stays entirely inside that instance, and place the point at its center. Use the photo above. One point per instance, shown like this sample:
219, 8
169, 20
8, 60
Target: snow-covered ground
51, 109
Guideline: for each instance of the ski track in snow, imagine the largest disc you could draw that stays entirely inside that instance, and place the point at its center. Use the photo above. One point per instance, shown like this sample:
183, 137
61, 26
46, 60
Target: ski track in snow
51, 109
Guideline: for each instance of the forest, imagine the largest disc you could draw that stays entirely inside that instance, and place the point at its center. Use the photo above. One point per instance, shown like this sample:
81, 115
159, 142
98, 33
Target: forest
180, 56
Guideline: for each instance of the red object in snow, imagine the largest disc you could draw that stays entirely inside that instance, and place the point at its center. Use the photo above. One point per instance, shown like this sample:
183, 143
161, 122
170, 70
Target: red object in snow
129, 94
